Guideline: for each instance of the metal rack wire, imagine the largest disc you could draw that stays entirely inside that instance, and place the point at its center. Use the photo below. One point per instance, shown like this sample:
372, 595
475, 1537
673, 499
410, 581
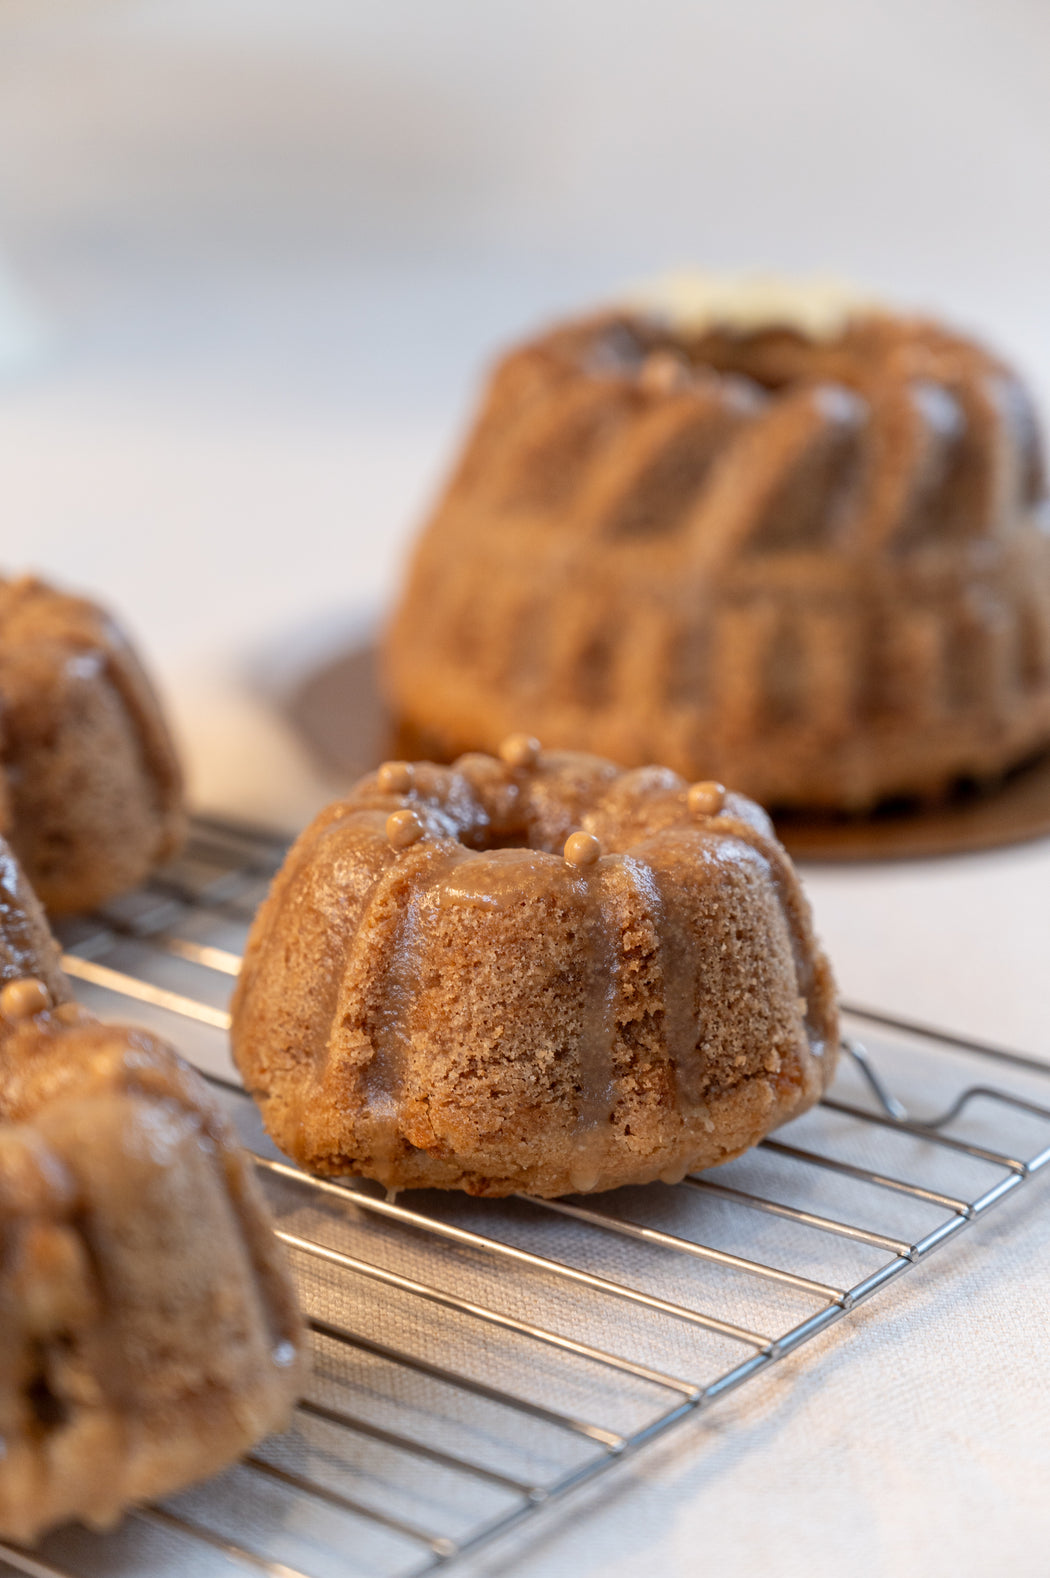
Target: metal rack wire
474, 1362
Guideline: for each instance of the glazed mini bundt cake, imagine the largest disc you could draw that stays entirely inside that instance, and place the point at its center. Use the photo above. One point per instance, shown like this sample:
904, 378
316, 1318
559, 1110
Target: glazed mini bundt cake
148, 1329
536, 972
794, 543
90, 788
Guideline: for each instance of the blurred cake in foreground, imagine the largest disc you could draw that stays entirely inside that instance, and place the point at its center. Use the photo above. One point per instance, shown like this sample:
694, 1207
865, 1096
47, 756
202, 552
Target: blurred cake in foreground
148, 1329
90, 787
538, 972
765, 534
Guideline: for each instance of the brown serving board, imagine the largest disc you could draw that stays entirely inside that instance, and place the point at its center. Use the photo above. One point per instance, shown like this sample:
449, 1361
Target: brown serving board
336, 709
1014, 812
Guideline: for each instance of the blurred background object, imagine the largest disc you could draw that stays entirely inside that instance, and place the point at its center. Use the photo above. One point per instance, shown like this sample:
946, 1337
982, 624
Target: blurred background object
274, 241
269, 245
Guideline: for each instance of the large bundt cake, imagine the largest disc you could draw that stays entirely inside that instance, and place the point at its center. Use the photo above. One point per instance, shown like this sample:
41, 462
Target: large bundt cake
536, 973
148, 1330
90, 788
809, 557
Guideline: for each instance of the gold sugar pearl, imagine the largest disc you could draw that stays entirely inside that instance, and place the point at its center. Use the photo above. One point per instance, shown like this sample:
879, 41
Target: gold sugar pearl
582, 849
22, 999
395, 777
73, 1014
404, 828
706, 799
665, 372
520, 750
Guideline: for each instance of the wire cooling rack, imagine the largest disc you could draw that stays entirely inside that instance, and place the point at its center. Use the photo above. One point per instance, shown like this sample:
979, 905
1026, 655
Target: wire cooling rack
474, 1361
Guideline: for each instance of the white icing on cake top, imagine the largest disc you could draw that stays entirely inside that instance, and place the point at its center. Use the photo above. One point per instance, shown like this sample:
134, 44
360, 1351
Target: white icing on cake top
819, 307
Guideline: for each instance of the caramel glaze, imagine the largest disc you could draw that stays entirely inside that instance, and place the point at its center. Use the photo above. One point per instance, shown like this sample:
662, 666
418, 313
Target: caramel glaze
475, 1010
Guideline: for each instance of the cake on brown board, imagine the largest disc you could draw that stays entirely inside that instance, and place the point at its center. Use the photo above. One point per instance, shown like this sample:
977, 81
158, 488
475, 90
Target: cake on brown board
536, 972
90, 786
786, 540
148, 1329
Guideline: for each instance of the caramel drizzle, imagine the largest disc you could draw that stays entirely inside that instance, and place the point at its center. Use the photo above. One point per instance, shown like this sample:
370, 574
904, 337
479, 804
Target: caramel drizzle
397, 989
681, 1016
683, 1019
597, 1041
500, 885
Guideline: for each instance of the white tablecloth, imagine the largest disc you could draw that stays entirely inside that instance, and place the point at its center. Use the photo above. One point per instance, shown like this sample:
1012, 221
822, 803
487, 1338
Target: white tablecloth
916, 1439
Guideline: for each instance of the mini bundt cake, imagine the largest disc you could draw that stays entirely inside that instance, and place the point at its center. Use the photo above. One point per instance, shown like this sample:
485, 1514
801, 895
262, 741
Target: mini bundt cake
90, 788
538, 972
148, 1329
810, 558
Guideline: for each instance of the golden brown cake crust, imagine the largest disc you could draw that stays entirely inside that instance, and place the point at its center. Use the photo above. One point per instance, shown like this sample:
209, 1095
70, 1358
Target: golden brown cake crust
92, 792
541, 974
819, 570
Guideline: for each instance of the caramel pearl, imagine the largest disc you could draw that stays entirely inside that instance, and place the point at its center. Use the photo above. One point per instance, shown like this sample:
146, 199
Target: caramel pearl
73, 1014
706, 799
404, 828
395, 777
664, 372
582, 849
22, 999
520, 750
